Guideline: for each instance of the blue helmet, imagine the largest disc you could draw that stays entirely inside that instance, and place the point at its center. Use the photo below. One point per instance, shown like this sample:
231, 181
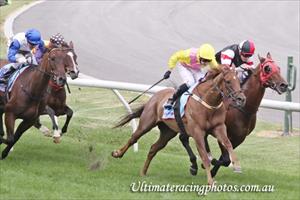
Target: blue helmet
33, 36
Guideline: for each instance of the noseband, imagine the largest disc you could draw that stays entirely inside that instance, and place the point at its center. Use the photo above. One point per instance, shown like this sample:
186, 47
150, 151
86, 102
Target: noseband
232, 94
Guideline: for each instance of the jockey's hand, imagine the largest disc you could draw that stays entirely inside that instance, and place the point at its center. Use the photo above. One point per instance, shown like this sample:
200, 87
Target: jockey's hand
22, 60
29, 60
167, 74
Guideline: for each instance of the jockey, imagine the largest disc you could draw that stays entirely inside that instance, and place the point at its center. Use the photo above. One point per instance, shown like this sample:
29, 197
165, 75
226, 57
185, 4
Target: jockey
19, 51
239, 56
56, 41
194, 65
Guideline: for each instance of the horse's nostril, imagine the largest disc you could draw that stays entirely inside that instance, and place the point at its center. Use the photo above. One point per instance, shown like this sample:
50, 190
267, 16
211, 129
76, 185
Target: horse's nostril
241, 100
283, 86
62, 80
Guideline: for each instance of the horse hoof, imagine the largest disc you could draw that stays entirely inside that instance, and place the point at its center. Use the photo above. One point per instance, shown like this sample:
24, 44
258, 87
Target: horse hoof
214, 161
116, 154
142, 173
56, 140
63, 130
193, 171
237, 170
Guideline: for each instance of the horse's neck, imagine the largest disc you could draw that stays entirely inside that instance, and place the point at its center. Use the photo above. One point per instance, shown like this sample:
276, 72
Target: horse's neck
40, 78
209, 93
254, 92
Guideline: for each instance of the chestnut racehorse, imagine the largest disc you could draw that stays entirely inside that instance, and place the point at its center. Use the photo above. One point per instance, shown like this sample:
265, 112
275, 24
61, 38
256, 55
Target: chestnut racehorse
204, 112
240, 122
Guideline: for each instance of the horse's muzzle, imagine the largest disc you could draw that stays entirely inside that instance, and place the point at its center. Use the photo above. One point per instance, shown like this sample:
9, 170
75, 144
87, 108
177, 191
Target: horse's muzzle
241, 100
74, 74
61, 81
282, 88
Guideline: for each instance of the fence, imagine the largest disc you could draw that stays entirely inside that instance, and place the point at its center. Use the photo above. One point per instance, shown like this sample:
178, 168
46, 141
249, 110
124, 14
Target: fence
115, 86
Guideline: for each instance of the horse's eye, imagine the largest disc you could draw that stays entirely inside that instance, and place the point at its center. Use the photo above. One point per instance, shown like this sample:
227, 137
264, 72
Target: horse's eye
267, 69
227, 81
52, 59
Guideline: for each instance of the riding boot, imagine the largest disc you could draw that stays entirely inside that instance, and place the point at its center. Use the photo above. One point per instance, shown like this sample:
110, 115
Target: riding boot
5, 77
182, 88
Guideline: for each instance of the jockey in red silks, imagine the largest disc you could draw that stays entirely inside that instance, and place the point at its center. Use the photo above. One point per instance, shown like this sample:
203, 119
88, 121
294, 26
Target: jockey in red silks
238, 56
194, 64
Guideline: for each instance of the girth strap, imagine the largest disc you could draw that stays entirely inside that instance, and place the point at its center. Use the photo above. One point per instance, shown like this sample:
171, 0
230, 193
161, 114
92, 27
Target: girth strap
178, 117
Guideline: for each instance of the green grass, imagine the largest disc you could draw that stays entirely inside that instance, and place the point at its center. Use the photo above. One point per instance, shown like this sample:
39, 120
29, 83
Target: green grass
4, 12
40, 169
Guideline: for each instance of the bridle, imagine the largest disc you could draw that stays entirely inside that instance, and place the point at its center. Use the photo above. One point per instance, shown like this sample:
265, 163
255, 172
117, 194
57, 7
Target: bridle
231, 94
265, 76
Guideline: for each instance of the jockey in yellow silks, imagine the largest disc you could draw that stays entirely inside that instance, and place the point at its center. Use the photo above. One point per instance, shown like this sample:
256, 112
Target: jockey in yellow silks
194, 64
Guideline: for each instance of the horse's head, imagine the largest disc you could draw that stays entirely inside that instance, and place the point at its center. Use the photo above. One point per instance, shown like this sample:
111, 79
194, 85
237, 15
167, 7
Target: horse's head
230, 86
56, 58
270, 75
71, 66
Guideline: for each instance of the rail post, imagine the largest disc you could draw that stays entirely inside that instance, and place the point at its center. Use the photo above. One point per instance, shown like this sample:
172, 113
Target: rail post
291, 79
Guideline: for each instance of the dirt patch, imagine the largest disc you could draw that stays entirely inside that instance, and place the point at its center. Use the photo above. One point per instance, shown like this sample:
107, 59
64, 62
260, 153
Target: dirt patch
275, 134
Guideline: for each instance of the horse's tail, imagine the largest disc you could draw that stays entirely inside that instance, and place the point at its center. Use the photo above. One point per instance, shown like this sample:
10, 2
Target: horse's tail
135, 114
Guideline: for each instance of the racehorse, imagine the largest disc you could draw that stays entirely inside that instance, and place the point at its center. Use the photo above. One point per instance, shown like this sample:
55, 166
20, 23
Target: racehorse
56, 98
199, 117
240, 122
26, 99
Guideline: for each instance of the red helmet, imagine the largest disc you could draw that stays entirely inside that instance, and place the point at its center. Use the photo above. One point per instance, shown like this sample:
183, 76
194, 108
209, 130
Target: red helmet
247, 48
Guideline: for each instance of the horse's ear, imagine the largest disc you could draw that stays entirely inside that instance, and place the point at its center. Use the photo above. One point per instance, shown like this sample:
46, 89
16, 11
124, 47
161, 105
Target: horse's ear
269, 56
212, 73
261, 59
71, 45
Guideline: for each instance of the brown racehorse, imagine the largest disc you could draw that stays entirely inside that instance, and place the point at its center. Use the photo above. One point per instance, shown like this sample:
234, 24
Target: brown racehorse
199, 117
26, 97
240, 122
56, 98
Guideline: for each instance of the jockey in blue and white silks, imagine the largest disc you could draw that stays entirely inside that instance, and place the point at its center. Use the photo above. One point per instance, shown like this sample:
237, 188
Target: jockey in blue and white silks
19, 50
21, 45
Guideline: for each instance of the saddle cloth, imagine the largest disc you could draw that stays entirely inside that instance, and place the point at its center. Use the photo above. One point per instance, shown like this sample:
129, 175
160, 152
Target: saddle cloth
12, 78
169, 113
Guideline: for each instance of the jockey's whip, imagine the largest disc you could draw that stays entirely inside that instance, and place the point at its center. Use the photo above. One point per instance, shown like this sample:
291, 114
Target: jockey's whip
146, 90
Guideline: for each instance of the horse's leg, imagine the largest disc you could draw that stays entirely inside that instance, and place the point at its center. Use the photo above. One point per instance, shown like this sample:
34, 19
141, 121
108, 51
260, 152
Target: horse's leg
198, 136
221, 135
24, 125
166, 134
224, 160
10, 127
185, 142
207, 147
42, 128
147, 122
1, 124
207, 150
69, 113
56, 131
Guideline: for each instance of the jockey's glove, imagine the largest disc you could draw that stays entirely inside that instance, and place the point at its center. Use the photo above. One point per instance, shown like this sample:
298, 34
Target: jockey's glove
22, 60
29, 60
167, 74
